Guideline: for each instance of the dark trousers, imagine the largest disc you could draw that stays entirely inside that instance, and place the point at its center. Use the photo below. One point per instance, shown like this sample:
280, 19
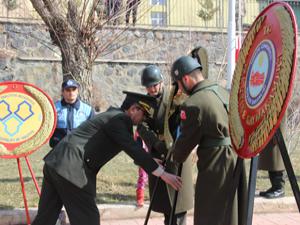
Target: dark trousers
132, 5
277, 179
113, 8
56, 192
179, 219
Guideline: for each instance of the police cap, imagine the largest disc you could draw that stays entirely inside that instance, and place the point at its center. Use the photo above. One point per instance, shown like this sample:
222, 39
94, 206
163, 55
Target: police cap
146, 102
183, 66
69, 84
151, 75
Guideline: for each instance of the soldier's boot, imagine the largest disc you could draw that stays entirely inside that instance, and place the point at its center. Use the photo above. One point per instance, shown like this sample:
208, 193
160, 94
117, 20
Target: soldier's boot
139, 197
277, 189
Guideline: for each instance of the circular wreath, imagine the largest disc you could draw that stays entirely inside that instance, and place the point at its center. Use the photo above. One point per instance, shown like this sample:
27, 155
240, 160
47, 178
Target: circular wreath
250, 133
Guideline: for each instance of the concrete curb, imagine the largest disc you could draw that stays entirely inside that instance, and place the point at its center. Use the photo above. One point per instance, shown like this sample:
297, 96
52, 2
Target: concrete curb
110, 211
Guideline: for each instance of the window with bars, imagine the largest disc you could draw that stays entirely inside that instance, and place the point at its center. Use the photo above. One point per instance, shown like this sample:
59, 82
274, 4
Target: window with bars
158, 18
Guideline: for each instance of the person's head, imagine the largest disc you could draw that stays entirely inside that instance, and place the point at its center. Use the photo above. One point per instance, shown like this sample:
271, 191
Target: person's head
186, 72
69, 90
152, 80
138, 106
136, 113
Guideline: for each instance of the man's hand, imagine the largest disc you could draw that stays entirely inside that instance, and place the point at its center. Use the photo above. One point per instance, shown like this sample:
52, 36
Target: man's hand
172, 180
159, 161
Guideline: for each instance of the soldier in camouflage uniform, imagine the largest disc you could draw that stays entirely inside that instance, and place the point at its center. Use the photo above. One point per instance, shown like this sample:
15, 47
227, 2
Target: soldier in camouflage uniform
153, 134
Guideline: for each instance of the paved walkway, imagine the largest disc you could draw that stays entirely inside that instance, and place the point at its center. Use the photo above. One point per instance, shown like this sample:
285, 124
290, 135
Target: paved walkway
258, 219
264, 214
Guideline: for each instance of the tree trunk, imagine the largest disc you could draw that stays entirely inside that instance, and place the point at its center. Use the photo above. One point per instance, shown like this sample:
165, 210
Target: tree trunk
75, 65
66, 33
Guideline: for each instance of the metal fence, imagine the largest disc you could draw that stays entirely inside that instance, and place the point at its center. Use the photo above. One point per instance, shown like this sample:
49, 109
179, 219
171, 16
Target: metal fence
18, 10
167, 13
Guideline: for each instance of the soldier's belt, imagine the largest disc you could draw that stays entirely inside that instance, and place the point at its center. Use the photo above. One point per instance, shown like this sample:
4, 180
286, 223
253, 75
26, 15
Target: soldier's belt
214, 142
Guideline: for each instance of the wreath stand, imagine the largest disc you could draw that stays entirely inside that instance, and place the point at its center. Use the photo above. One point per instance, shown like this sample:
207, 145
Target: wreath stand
23, 185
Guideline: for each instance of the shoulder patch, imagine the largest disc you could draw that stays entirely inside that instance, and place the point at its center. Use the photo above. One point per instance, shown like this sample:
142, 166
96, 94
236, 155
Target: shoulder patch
182, 115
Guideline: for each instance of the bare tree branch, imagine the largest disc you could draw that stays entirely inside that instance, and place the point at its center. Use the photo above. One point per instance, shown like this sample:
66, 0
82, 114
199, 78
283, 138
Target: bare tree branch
72, 16
78, 31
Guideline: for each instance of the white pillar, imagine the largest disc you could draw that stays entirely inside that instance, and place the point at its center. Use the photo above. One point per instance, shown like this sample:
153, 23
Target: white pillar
230, 42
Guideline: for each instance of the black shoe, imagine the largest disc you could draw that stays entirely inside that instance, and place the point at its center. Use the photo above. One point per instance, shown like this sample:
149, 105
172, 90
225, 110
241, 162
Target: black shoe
263, 193
279, 193
272, 193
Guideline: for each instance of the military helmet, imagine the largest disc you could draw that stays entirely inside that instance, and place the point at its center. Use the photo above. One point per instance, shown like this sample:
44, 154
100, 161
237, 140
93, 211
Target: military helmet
151, 75
182, 66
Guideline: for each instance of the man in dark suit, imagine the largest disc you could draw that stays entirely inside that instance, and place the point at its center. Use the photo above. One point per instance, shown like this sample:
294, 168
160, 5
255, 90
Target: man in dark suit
71, 167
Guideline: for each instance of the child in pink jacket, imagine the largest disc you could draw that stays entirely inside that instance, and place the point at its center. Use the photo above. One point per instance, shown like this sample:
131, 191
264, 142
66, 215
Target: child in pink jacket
142, 177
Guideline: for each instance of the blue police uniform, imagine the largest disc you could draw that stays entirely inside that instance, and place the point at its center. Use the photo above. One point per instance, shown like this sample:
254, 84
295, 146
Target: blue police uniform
69, 116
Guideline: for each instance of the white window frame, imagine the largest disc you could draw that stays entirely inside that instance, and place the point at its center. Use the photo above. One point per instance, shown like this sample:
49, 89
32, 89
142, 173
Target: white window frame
159, 20
158, 2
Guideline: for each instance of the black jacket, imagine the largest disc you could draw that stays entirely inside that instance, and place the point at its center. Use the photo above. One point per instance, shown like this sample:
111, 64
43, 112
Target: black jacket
80, 155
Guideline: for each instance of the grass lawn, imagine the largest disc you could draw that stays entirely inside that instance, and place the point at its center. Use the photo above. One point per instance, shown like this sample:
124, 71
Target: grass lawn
116, 180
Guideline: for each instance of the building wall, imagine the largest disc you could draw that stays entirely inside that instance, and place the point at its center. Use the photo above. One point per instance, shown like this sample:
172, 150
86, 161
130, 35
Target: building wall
179, 13
33, 59
17, 9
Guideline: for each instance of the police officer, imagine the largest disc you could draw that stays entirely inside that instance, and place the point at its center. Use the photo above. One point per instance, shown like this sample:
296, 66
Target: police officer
71, 111
71, 167
152, 132
204, 123
270, 159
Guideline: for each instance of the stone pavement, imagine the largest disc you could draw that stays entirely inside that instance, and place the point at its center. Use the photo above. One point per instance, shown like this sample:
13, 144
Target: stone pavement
282, 211
258, 219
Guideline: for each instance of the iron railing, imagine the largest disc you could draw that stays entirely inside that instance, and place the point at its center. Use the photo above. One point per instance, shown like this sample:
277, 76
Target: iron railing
167, 13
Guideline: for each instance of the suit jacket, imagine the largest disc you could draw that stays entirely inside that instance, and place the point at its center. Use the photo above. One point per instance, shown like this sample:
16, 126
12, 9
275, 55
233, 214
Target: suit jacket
80, 155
